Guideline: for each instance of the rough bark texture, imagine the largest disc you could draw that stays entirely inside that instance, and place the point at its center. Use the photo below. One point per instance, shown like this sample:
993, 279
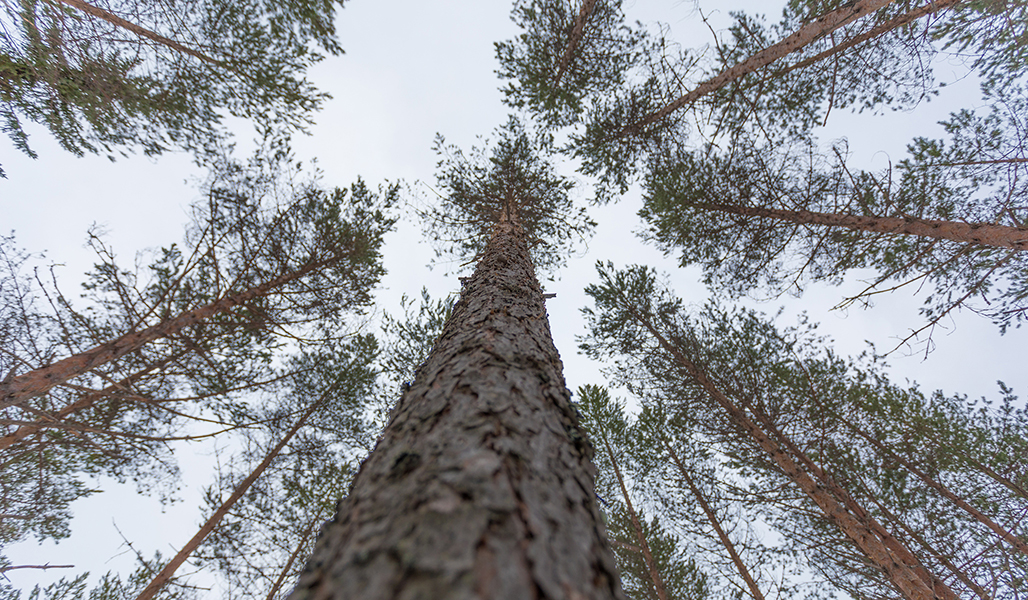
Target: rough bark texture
820, 27
983, 234
39, 381
481, 485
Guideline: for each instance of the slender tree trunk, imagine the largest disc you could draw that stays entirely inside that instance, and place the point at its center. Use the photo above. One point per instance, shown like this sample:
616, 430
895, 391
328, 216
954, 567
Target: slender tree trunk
903, 575
996, 528
818, 28
574, 39
82, 403
940, 556
162, 578
933, 6
1004, 481
740, 566
136, 29
825, 479
39, 381
984, 234
481, 485
644, 547
292, 559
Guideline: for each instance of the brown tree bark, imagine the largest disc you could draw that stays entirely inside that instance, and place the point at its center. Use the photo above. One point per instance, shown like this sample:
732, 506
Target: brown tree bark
39, 381
162, 578
937, 554
818, 28
740, 566
865, 536
644, 547
933, 6
825, 479
281, 579
113, 19
576, 36
984, 234
86, 401
481, 485
945, 492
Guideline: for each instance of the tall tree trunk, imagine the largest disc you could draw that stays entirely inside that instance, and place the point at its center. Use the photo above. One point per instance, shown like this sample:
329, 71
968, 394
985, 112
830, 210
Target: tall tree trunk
281, 579
573, 40
162, 578
865, 536
945, 492
984, 234
933, 6
828, 482
481, 485
39, 381
932, 551
726, 541
87, 400
820, 27
114, 19
656, 581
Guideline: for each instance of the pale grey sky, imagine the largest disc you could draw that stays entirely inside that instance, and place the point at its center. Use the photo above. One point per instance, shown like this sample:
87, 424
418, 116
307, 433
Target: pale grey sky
413, 69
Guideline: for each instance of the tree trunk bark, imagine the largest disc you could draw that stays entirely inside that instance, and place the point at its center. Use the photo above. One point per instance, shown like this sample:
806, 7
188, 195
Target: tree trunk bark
820, 27
136, 29
864, 536
86, 401
729, 546
945, 492
39, 381
481, 485
576, 36
933, 6
162, 578
984, 234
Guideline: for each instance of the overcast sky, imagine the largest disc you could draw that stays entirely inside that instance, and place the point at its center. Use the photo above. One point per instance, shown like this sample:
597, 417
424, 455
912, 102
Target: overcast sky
413, 69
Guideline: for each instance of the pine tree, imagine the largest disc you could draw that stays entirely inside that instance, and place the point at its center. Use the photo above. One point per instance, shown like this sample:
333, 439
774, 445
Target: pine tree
331, 388
781, 407
481, 484
117, 416
948, 214
653, 562
114, 75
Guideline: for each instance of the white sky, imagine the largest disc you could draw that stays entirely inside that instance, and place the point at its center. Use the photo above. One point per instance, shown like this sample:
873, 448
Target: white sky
413, 69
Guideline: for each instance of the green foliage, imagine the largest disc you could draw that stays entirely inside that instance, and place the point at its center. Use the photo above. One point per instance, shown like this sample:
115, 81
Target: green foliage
991, 35
261, 545
844, 415
619, 456
100, 87
693, 199
514, 183
109, 587
408, 341
256, 222
596, 66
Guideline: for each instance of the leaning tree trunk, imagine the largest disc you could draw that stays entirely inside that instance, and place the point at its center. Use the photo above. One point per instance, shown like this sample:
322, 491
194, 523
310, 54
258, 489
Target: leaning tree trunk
481, 485
39, 381
805, 35
982, 234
